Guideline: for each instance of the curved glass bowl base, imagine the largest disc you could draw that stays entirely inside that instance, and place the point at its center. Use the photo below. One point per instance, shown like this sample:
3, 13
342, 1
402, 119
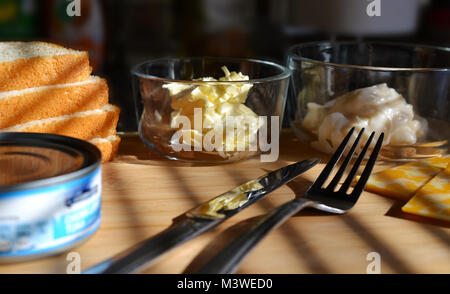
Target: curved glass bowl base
393, 153
157, 146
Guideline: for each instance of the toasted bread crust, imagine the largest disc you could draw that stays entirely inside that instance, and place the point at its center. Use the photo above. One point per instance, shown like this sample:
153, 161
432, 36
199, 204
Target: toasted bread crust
56, 46
60, 109
52, 102
108, 148
85, 127
44, 71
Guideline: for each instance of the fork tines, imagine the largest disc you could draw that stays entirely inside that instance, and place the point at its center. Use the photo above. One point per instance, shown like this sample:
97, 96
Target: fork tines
337, 156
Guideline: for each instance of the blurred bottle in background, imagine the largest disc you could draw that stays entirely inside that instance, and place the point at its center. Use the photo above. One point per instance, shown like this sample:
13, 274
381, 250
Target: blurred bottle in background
331, 20
435, 28
99, 29
227, 28
83, 32
138, 30
148, 29
215, 27
19, 20
355, 17
119, 34
304, 20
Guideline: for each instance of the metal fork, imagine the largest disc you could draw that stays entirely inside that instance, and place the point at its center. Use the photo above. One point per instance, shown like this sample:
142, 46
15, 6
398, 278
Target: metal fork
322, 198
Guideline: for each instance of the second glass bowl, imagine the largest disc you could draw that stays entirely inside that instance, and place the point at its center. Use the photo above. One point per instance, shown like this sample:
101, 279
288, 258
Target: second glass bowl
182, 106
323, 72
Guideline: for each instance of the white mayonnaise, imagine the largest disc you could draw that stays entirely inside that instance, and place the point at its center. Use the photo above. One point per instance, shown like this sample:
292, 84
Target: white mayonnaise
377, 108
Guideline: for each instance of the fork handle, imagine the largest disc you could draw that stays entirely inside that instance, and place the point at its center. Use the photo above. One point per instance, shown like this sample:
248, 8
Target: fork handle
228, 260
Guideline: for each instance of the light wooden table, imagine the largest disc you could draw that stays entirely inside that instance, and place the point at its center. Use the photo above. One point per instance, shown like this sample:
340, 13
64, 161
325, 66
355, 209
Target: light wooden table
142, 193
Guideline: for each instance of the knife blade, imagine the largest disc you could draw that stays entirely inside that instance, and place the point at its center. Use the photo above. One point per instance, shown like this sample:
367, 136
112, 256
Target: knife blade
200, 219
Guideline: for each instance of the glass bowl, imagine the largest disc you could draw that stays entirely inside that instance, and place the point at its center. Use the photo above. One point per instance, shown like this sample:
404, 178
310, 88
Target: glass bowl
210, 110
400, 89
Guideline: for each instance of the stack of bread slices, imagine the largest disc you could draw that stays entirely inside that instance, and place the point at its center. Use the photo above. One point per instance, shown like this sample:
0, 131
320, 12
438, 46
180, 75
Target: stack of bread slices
46, 88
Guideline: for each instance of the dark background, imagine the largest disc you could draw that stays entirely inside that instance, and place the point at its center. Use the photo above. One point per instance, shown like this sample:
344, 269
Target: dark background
121, 33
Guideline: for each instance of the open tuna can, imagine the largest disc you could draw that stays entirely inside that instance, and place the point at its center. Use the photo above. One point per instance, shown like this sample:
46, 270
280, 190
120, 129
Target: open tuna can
50, 194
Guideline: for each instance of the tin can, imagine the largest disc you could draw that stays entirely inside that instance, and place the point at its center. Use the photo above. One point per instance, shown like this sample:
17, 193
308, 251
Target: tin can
50, 194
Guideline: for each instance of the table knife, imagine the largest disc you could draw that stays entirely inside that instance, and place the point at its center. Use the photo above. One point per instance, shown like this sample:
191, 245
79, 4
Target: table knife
200, 219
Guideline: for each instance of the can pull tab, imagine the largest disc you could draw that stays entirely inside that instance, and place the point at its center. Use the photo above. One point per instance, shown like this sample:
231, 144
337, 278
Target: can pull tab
84, 194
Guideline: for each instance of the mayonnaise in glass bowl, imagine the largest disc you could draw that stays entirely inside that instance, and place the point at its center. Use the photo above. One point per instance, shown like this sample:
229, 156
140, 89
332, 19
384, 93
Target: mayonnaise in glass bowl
210, 110
401, 90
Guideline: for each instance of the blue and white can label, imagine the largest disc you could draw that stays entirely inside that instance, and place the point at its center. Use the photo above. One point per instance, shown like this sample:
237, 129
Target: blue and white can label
43, 220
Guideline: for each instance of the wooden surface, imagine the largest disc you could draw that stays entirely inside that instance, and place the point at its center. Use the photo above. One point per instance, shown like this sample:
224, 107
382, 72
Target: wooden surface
142, 193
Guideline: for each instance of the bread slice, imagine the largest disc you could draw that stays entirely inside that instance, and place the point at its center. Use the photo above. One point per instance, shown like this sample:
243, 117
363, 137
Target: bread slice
108, 146
86, 125
33, 64
22, 106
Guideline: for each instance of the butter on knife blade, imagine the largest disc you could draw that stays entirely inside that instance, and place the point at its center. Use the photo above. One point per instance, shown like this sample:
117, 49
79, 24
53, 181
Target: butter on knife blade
200, 219
231, 200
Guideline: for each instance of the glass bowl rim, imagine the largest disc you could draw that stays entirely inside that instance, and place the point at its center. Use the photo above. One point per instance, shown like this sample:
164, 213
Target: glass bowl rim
290, 54
285, 71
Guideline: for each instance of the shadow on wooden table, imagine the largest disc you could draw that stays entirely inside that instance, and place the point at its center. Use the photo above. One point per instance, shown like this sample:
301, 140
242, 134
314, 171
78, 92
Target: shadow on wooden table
297, 241
219, 243
133, 150
396, 211
291, 149
361, 230
314, 262
429, 225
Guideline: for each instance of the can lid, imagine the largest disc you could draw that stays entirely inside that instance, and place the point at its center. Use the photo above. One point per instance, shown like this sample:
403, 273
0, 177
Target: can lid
31, 160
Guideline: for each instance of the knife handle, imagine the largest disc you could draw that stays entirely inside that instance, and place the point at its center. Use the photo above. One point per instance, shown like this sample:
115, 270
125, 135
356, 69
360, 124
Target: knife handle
228, 260
137, 256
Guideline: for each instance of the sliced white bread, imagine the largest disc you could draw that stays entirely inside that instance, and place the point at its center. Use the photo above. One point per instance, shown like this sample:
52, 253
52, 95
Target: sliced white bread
86, 125
33, 64
108, 146
22, 106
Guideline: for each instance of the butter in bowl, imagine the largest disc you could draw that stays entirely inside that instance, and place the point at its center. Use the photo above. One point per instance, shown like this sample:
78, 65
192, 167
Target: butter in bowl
210, 110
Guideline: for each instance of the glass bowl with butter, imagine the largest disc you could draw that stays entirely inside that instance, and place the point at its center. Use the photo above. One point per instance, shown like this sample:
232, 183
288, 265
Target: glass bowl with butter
210, 109
400, 89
